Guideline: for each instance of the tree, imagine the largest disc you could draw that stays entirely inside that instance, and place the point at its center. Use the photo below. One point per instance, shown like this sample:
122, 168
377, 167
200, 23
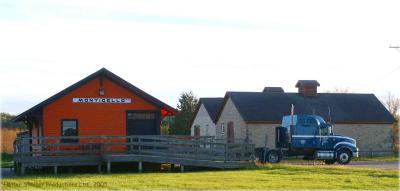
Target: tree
6, 121
186, 108
392, 103
166, 123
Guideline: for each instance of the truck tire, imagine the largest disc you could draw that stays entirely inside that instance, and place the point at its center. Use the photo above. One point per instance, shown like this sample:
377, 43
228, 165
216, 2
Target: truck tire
330, 161
343, 156
274, 156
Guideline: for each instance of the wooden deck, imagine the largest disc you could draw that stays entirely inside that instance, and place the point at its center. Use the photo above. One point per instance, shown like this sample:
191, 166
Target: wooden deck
104, 150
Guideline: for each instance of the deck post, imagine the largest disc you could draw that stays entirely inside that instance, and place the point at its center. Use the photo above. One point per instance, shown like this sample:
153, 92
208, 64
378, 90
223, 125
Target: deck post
130, 145
99, 168
55, 169
140, 166
22, 169
226, 152
182, 168
139, 146
108, 167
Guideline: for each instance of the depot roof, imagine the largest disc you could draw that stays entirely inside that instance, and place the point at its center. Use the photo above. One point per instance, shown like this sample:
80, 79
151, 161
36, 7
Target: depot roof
104, 73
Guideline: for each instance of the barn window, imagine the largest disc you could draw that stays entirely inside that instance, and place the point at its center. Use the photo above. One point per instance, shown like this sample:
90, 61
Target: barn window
69, 127
222, 128
141, 116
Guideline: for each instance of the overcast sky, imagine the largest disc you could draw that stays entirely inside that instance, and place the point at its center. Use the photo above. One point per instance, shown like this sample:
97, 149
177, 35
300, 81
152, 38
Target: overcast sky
166, 47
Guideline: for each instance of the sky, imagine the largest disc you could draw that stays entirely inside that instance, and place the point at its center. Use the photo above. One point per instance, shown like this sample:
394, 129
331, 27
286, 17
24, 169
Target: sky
208, 47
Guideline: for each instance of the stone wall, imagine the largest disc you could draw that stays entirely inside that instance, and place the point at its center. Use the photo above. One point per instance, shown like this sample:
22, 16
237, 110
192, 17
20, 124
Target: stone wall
259, 132
231, 114
372, 139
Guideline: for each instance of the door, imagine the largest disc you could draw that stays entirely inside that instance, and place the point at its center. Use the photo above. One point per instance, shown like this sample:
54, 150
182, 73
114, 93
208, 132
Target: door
196, 130
230, 133
142, 123
327, 140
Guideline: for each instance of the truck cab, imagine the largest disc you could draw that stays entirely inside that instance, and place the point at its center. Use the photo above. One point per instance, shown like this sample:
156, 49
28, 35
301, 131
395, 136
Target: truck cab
310, 136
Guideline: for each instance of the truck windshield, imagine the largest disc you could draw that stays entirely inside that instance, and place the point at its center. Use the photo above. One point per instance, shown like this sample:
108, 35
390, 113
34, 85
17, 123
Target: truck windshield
326, 130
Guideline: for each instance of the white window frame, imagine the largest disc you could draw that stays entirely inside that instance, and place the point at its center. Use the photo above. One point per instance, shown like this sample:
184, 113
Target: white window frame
222, 129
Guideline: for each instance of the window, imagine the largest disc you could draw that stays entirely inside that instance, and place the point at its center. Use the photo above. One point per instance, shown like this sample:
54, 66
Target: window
69, 128
222, 128
306, 130
141, 116
326, 130
307, 121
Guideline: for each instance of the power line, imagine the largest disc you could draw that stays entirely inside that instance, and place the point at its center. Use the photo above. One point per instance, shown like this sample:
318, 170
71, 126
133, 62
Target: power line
395, 47
387, 74
398, 50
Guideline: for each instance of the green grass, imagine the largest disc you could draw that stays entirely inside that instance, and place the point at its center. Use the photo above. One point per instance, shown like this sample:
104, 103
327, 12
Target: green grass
277, 177
6, 160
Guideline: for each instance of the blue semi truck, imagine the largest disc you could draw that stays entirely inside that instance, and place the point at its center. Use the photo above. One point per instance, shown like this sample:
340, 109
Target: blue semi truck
311, 137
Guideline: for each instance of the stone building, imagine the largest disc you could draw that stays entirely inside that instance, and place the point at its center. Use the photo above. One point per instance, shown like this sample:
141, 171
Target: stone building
254, 115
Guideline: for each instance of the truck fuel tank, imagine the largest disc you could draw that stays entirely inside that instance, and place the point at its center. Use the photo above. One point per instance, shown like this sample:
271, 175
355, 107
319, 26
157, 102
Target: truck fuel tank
325, 154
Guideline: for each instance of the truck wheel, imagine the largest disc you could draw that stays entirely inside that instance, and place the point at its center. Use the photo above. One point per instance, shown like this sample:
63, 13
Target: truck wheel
343, 156
329, 162
274, 156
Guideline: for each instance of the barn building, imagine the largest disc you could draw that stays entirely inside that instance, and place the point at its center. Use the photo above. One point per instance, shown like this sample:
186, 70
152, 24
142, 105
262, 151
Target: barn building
254, 115
202, 123
100, 104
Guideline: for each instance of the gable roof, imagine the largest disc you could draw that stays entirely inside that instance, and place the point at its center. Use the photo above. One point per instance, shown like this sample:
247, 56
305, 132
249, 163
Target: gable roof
212, 106
257, 107
104, 73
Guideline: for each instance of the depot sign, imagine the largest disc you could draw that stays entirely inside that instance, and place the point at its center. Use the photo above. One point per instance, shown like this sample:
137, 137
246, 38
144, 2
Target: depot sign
101, 100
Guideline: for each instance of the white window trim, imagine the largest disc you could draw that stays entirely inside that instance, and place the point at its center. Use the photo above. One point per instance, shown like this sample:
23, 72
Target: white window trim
222, 129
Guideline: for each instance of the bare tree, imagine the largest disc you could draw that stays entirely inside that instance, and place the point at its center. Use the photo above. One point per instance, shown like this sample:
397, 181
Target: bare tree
339, 90
392, 103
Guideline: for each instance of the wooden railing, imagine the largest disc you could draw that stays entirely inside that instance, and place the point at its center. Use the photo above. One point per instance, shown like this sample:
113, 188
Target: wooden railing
201, 148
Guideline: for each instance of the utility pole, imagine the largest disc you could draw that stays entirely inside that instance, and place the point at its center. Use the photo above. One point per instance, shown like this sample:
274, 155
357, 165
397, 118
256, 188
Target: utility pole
395, 47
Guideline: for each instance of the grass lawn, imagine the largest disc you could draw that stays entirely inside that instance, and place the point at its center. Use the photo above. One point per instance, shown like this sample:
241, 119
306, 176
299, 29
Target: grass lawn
277, 177
6, 160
